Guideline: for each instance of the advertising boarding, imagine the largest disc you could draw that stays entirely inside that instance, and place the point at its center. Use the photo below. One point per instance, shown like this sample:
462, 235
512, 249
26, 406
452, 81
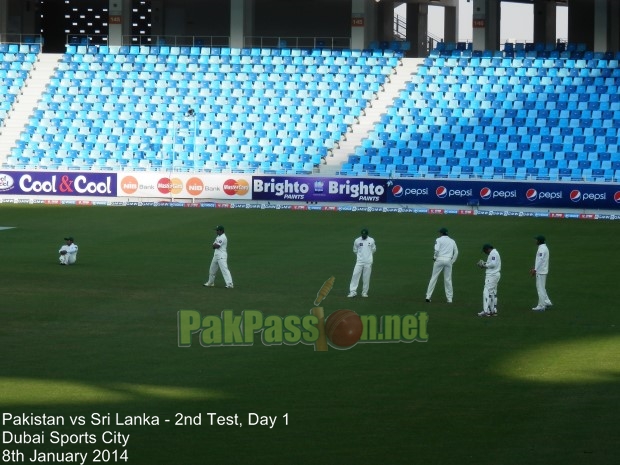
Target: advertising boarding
63, 184
319, 189
184, 185
504, 194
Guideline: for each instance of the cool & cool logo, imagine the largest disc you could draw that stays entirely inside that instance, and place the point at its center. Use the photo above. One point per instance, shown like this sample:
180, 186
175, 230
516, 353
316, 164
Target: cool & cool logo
79, 185
6, 182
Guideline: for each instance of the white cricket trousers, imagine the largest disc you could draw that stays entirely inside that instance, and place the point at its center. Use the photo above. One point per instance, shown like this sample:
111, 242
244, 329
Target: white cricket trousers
489, 294
445, 266
222, 265
361, 270
541, 288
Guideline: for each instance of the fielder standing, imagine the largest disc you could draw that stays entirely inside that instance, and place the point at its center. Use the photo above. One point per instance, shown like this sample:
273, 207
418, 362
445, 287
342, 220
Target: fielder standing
493, 267
363, 247
220, 259
444, 256
540, 271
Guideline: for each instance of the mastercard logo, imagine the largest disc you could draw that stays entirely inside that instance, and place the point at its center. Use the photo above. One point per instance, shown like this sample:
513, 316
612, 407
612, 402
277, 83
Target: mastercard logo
194, 186
170, 186
236, 187
129, 184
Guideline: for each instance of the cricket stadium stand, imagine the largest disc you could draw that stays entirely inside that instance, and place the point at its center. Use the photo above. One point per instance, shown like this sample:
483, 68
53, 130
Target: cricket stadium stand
527, 112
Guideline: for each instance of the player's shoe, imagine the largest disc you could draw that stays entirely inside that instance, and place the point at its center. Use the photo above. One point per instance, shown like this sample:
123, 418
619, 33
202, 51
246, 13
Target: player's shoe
352, 294
484, 313
548, 303
208, 284
364, 295
229, 286
538, 308
428, 301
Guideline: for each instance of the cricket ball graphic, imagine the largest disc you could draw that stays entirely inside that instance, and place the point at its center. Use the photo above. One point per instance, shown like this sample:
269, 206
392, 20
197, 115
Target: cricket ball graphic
344, 328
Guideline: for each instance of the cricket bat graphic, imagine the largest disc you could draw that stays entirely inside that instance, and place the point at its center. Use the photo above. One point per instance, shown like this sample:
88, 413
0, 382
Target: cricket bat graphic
321, 343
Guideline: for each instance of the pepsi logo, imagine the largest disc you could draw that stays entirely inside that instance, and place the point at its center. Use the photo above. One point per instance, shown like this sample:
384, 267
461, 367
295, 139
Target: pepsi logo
397, 191
485, 193
617, 197
531, 194
575, 195
441, 192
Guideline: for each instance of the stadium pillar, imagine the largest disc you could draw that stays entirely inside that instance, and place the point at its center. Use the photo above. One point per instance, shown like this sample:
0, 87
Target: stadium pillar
451, 24
3, 16
238, 24
581, 22
544, 21
119, 20
600, 25
614, 26
417, 28
486, 24
363, 23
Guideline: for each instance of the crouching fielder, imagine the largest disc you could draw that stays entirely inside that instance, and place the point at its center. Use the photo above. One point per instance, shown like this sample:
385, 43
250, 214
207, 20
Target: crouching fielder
68, 252
493, 267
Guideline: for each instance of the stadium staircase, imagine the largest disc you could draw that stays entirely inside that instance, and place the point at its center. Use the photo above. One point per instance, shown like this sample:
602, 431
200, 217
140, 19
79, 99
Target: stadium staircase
31, 93
371, 115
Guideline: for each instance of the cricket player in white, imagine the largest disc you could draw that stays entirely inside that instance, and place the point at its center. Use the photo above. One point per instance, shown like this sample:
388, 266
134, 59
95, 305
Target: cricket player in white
363, 247
493, 267
444, 256
540, 271
68, 252
220, 259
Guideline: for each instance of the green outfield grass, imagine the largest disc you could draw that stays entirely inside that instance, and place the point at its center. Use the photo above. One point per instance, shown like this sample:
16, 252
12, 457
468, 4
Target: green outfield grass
101, 337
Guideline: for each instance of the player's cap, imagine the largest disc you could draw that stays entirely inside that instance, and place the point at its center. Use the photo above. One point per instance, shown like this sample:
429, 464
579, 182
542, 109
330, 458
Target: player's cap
219, 228
540, 239
364, 232
486, 247
69, 238
443, 231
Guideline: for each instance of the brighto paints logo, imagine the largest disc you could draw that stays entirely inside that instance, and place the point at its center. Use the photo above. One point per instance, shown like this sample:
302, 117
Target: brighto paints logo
577, 196
342, 329
442, 192
532, 195
487, 193
399, 191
